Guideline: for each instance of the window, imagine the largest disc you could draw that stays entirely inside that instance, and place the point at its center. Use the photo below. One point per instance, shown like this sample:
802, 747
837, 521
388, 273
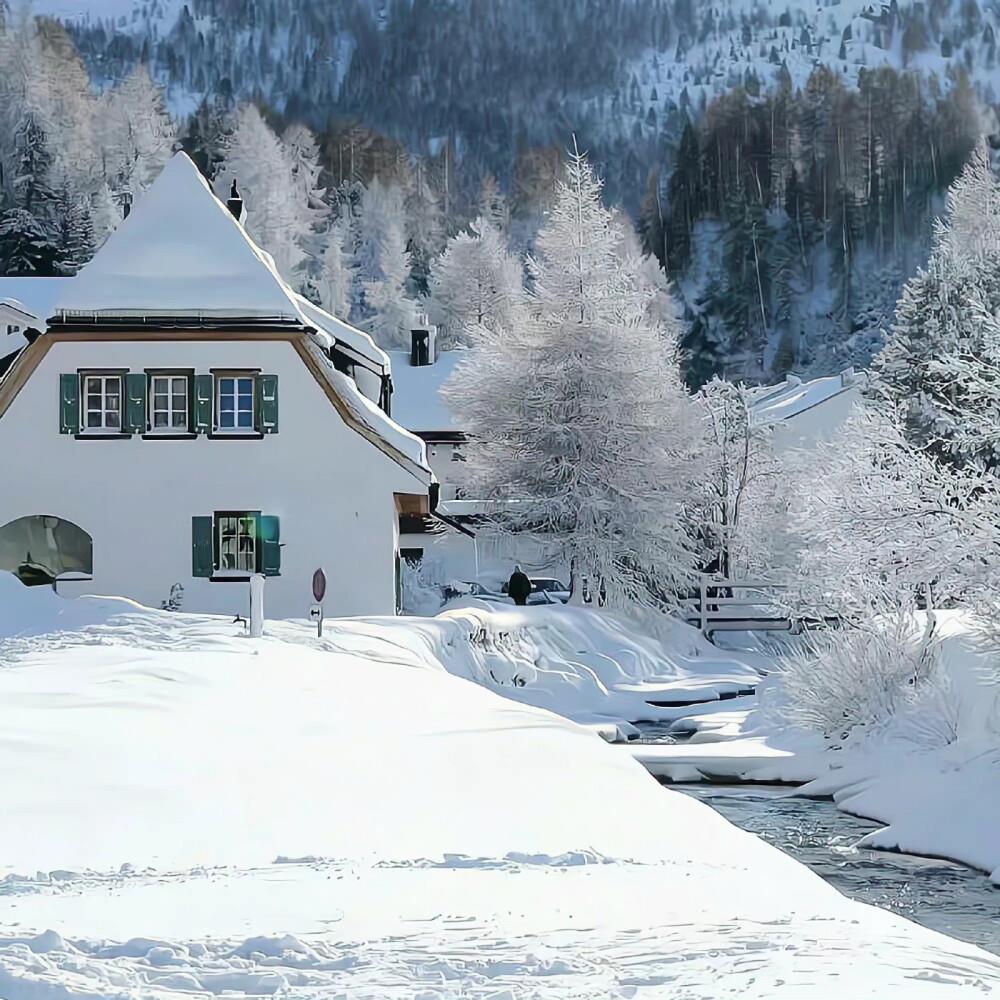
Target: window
102, 401
237, 536
234, 404
168, 403
234, 544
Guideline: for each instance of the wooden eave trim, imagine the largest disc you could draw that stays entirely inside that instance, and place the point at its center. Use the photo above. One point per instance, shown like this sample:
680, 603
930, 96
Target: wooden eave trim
30, 358
412, 504
306, 349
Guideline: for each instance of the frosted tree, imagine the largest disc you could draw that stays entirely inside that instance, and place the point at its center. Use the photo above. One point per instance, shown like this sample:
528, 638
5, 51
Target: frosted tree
279, 218
135, 133
334, 280
475, 283
581, 425
382, 300
940, 366
880, 522
741, 516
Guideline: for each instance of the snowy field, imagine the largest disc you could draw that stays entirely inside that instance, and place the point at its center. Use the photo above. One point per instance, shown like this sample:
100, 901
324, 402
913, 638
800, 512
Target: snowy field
191, 812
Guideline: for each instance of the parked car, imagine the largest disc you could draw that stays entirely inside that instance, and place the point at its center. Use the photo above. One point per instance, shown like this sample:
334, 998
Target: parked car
545, 590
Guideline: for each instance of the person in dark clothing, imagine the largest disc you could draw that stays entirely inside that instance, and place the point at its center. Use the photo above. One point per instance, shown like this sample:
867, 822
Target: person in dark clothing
518, 586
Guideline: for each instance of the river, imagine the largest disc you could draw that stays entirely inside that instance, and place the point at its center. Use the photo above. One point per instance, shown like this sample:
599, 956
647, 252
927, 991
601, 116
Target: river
946, 897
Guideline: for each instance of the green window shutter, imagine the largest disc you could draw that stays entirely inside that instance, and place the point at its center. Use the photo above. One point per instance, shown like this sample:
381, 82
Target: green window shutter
204, 388
202, 547
270, 548
135, 403
267, 404
69, 404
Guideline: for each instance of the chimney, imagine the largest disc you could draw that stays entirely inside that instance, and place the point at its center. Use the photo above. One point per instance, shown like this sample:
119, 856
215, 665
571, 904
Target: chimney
235, 204
423, 349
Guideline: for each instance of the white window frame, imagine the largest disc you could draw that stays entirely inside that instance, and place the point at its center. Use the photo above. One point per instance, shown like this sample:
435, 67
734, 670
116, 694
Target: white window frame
86, 378
170, 427
237, 377
254, 539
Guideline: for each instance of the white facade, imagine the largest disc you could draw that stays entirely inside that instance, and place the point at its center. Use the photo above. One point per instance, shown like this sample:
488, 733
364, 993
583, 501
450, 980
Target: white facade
332, 489
332, 474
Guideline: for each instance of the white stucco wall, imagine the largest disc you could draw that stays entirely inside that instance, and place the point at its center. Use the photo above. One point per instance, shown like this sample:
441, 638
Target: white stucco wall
331, 488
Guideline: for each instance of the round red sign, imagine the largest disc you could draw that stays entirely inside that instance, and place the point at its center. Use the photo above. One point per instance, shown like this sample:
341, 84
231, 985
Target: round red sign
319, 585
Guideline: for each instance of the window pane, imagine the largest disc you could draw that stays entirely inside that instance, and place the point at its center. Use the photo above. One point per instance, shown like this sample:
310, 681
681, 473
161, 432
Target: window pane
227, 404
93, 419
112, 420
178, 420
246, 419
226, 386
159, 420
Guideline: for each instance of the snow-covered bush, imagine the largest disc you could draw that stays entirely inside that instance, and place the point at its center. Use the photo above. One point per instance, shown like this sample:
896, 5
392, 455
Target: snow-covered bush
848, 684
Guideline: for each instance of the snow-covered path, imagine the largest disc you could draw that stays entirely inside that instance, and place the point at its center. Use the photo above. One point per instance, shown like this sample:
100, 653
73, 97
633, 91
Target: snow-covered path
189, 812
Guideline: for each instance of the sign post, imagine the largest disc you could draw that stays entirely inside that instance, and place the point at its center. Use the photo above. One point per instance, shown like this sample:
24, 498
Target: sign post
319, 591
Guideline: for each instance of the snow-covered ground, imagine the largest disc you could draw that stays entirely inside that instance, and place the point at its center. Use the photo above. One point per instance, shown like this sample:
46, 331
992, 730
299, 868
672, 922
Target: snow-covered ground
191, 812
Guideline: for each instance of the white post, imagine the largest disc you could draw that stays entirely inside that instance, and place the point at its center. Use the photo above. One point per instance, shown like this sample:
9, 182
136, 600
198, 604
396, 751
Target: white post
703, 602
256, 605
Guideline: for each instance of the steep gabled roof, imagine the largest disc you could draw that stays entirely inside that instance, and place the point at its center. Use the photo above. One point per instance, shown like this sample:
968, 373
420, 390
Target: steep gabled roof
180, 253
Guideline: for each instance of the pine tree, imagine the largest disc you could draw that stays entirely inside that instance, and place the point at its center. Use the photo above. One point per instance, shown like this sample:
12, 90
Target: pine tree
381, 299
279, 219
135, 132
476, 283
580, 422
941, 364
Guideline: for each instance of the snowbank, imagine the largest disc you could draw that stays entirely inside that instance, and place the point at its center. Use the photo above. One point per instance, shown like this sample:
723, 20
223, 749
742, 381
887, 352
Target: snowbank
929, 770
187, 810
580, 663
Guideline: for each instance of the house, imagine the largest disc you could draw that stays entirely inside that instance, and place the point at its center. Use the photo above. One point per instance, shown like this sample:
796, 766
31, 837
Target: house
186, 420
802, 414
17, 326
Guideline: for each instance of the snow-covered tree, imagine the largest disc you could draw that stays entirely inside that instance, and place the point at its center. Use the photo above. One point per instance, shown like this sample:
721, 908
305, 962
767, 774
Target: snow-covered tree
740, 519
580, 422
941, 364
279, 216
334, 278
135, 133
383, 304
475, 283
880, 521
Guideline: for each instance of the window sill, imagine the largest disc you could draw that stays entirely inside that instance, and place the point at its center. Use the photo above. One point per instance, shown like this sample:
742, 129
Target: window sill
169, 436
238, 577
102, 436
236, 436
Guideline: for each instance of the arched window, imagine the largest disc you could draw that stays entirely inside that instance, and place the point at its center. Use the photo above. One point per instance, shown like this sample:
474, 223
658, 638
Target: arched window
41, 548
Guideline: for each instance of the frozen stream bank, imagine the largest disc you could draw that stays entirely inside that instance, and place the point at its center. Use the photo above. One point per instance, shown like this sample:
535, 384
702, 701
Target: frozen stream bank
946, 897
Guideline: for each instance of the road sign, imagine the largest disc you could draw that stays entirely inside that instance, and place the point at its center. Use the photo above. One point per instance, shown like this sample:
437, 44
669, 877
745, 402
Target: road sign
316, 615
319, 585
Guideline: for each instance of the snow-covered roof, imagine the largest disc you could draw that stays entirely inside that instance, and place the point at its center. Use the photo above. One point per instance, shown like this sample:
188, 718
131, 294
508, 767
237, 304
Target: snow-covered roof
793, 396
416, 395
333, 332
35, 296
180, 253
374, 423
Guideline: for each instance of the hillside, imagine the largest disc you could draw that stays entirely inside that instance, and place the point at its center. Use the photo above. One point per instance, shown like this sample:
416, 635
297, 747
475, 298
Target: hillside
785, 163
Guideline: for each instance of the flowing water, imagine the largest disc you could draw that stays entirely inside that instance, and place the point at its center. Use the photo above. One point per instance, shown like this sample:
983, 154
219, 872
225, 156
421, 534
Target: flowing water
946, 897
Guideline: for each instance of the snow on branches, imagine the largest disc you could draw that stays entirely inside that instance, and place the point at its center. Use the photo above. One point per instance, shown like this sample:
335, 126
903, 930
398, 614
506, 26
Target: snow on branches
942, 364
583, 431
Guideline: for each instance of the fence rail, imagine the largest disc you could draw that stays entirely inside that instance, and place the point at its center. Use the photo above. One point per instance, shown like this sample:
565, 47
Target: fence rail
714, 612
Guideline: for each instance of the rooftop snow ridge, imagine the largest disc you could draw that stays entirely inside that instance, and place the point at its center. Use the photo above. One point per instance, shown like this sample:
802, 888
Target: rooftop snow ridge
179, 253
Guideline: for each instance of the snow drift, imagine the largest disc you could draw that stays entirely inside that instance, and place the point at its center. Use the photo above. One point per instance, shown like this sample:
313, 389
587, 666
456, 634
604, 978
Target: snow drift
187, 810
